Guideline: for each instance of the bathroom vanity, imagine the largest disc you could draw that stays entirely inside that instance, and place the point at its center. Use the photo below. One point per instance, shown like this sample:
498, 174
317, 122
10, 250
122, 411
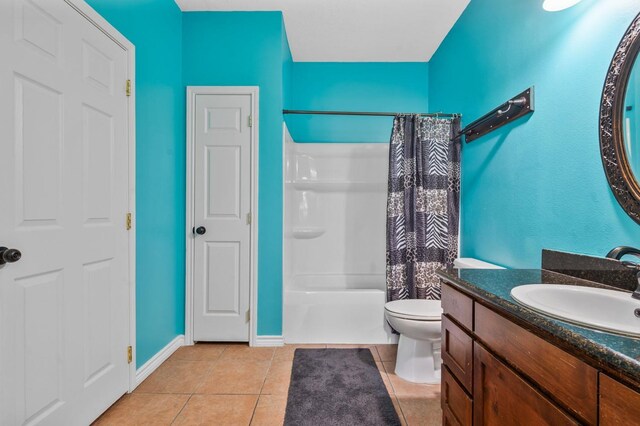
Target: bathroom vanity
504, 364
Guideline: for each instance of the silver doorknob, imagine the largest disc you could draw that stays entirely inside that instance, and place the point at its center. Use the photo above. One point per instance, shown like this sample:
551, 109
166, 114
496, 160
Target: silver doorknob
8, 255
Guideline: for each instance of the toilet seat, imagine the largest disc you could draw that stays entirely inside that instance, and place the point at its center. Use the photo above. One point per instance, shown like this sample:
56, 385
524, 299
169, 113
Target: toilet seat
415, 309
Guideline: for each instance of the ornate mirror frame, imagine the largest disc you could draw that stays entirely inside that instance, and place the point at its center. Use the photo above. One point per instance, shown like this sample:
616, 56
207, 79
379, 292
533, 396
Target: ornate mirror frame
621, 179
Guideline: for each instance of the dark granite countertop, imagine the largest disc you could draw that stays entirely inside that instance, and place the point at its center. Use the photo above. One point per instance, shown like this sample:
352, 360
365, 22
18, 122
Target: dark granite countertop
617, 355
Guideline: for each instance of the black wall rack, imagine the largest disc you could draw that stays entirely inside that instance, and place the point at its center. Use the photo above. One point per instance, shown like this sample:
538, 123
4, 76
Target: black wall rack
519, 106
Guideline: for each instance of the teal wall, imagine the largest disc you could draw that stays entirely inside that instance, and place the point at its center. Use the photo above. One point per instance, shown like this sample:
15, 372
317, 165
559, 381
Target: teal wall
287, 67
538, 183
247, 49
394, 87
155, 27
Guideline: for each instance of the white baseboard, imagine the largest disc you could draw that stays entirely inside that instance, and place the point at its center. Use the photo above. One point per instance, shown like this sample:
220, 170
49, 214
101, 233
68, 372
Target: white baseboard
150, 366
266, 341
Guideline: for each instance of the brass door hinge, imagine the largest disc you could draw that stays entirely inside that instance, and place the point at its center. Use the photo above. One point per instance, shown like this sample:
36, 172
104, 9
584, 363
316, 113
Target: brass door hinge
129, 354
250, 121
128, 88
249, 218
128, 225
248, 315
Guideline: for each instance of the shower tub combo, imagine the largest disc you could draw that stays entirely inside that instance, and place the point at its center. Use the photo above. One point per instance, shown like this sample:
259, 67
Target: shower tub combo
334, 243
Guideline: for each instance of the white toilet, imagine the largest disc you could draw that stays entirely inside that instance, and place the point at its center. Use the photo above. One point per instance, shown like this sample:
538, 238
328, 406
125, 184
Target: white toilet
419, 323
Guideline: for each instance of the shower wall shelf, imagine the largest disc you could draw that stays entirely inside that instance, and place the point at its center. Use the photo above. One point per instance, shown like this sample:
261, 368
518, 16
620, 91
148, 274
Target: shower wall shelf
307, 233
337, 186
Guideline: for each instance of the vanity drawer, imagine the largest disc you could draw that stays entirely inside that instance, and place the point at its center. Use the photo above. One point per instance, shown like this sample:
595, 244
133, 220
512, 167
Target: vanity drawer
619, 405
457, 407
457, 352
570, 381
457, 306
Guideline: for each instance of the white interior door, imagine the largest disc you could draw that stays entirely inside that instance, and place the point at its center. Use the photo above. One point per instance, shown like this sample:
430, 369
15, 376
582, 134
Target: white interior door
64, 306
222, 203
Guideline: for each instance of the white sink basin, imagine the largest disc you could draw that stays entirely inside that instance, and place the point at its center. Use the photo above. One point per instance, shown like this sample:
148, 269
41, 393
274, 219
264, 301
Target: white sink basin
600, 309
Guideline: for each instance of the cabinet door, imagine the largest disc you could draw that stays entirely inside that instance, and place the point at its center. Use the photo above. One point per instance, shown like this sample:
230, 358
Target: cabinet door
503, 398
619, 405
565, 378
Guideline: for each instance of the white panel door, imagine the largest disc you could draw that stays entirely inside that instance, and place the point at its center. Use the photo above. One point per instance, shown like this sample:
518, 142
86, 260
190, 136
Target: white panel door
64, 306
222, 192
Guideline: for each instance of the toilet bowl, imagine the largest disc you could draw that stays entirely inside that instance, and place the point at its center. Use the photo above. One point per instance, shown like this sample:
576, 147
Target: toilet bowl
419, 323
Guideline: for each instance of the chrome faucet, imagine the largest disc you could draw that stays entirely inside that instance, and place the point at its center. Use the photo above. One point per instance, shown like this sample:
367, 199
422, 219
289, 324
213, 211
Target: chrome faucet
618, 253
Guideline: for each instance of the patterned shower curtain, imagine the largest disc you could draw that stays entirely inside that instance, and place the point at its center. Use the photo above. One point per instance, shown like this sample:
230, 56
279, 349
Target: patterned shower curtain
423, 205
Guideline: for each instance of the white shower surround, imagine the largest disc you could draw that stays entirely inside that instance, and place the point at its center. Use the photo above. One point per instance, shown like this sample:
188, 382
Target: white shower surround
334, 243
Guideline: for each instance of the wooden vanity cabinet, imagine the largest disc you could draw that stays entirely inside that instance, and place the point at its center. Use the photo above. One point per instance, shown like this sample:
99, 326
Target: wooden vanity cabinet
497, 373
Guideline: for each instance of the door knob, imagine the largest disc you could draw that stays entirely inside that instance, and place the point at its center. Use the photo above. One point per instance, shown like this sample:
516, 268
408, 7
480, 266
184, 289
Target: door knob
200, 230
8, 255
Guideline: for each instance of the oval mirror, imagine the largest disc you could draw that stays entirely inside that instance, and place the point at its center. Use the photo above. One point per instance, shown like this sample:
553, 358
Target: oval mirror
620, 122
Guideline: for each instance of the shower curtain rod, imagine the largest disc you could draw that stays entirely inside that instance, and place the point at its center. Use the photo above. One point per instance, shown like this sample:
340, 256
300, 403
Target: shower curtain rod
374, 114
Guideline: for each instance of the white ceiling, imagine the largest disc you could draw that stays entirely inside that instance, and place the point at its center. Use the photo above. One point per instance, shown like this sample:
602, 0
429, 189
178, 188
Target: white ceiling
354, 30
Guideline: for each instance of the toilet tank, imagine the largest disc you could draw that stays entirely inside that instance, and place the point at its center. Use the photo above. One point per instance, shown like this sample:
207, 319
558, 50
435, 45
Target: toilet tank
470, 263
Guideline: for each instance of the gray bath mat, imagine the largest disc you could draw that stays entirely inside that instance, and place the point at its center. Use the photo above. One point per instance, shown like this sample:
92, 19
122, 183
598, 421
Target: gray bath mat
337, 387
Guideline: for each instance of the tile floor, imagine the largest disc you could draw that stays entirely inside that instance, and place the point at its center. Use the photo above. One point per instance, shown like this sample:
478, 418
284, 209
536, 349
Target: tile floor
233, 384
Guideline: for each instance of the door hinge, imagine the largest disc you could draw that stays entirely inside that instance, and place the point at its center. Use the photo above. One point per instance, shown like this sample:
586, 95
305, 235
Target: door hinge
249, 218
250, 121
128, 88
248, 315
128, 225
129, 354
